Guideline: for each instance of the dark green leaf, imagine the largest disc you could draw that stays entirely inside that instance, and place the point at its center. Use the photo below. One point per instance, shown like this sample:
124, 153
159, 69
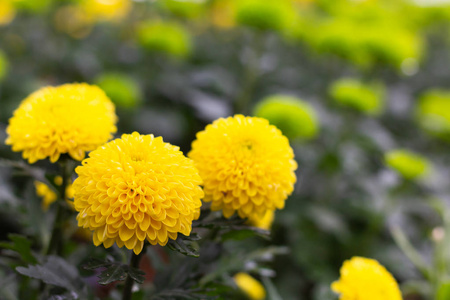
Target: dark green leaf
56, 271
137, 275
185, 245
113, 273
94, 263
21, 245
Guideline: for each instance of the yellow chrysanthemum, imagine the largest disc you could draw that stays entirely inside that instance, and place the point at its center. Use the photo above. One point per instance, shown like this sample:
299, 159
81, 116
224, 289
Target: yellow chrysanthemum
7, 12
71, 118
106, 10
264, 222
49, 196
246, 164
365, 279
250, 286
137, 188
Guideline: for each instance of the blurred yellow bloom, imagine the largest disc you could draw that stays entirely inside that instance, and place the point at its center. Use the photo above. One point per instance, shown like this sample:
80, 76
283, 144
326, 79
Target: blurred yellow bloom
365, 279
222, 13
264, 222
137, 188
71, 19
7, 12
49, 196
71, 118
250, 286
246, 164
408, 164
106, 10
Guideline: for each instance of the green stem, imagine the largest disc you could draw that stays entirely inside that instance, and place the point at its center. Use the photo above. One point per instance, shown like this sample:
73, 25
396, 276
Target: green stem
56, 240
134, 264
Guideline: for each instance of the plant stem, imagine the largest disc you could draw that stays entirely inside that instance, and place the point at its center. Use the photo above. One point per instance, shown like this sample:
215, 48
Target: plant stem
134, 264
56, 245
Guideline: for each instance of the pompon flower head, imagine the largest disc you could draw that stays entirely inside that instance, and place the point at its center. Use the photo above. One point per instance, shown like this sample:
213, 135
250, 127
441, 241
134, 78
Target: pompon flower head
137, 188
250, 286
246, 164
364, 278
71, 118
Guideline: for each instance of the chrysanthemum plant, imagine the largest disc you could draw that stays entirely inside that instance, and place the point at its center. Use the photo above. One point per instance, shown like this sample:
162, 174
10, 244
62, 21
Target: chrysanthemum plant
139, 192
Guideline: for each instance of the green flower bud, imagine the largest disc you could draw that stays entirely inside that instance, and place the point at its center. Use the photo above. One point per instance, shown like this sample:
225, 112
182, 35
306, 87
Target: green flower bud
368, 99
189, 9
265, 15
165, 37
122, 90
433, 113
294, 117
408, 164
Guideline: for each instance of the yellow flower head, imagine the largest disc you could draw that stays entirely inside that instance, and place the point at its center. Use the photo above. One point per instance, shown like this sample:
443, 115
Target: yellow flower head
7, 12
365, 279
49, 196
246, 164
106, 10
264, 222
71, 118
250, 286
137, 188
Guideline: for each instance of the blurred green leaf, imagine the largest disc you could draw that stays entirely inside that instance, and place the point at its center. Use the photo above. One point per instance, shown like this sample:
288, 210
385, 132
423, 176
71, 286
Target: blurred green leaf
21, 245
58, 272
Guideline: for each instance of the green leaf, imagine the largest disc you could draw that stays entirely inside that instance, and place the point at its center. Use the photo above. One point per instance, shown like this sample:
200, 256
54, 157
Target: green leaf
21, 245
137, 275
185, 245
443, 291
95, 263
114, 271
56, 271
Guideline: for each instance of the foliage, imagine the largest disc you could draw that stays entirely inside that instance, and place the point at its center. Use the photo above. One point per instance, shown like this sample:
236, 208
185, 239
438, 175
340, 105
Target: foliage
171, 68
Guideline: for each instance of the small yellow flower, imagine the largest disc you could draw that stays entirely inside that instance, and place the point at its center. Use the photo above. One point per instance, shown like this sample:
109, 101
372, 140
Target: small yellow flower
246, 164
106, 10
250, 286
49, 196
264, 222
365, 279
137, 188
7, 12
71, 118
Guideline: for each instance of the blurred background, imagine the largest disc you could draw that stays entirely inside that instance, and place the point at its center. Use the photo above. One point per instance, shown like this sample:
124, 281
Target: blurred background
361, 88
